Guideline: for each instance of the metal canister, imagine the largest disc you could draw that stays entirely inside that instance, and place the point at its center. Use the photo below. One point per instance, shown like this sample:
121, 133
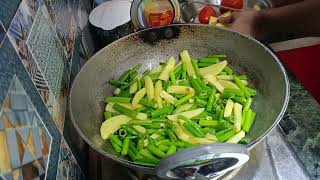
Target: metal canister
184, 11
191, 8
152, 13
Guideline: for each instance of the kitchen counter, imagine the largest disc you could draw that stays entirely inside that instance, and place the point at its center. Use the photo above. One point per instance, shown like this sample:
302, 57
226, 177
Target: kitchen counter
292, 150
301, 127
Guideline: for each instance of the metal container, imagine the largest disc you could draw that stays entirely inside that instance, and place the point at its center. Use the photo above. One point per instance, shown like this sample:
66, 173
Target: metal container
151, 46
191, 8
186, 11
110, 21
138, 18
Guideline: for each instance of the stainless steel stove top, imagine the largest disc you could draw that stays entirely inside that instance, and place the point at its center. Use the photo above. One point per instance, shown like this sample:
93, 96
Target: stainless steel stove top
272, 159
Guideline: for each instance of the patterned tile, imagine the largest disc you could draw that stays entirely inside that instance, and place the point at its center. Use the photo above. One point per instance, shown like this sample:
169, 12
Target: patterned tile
11, 66
13, 147
5, 165
83, 48
74, 5
25, 140
77, 145
81, 13
17, 174
8, 176
43, 57
7, 54
1, 124
81, 10
51, 58
68, 167
2, 32
18, 34
81, 56
22, 21
64, 23
7, 11
87, 5
22, 133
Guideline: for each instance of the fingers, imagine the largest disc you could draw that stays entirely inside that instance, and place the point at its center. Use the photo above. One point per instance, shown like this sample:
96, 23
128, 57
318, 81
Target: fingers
228, 18
235, 15
225, 18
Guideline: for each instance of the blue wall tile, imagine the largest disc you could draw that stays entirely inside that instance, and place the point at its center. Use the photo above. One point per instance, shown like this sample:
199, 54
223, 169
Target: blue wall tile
17, 19
5, 77
14, 154
7, 11
9, 58
68, 166
2, 32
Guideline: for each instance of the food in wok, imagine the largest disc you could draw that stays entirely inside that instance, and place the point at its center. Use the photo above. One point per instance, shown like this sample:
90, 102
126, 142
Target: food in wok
177, 105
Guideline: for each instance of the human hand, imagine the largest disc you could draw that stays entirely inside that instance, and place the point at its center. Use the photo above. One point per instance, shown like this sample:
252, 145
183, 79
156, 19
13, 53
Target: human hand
247, 22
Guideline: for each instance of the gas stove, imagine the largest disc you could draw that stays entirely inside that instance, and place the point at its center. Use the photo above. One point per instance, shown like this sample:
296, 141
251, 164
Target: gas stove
271, 159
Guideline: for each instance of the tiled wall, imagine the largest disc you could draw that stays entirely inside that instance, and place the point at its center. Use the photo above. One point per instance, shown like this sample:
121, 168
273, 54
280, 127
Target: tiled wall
43, 45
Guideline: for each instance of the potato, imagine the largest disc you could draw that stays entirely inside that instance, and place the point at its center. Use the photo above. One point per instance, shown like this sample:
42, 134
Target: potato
237, 137
213, 80
176, 89
237, 108
217, 96
155, 136
188, 114
109, 106
140, 129
220, 25
138, 96
149, 86
142, 116
180, 133
165, 73
226, 14
213, 20
157, 69
145, 142
184, 107
214, 69
112, 125
133, 88
186, 60
197, 140
244, 82
178, 65
229, 78
157, 91
225, 77
211, 137
228, 84
228, 109
256, 7
168, 97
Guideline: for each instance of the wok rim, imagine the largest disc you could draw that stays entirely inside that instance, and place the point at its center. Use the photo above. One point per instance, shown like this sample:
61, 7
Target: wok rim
138, 166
